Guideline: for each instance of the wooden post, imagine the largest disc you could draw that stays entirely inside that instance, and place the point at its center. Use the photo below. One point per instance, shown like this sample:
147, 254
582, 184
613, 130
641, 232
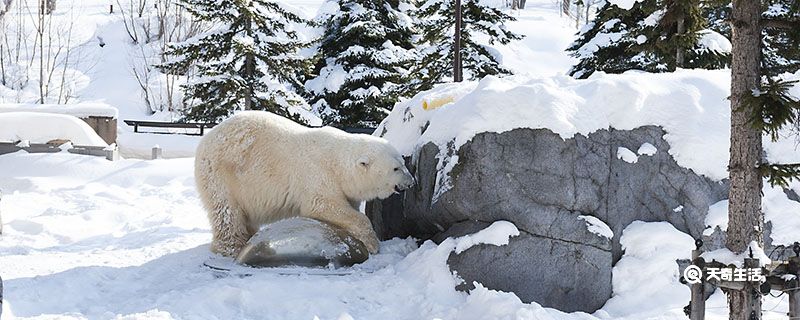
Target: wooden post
111, 154
111, 9
457, 69
793, 287
698, 302
157, 153
751, 302
794, 298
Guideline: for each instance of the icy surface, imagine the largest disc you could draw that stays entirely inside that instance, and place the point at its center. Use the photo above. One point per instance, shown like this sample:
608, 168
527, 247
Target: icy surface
34, 127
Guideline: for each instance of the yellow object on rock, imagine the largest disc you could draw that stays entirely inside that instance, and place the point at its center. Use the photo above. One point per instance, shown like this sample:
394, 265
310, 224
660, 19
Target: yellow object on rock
437, 102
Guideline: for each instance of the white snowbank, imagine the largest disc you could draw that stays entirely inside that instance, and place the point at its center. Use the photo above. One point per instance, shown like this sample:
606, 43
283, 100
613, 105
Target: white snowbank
42, 127
110, 238
777, 207
645, 280
691, 106
82, 110
140, 145
717, 217
597, 226
498, 234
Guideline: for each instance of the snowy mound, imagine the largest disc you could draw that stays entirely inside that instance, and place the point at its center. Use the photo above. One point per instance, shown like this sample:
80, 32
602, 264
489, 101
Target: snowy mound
83, 110
43, 127
691, 106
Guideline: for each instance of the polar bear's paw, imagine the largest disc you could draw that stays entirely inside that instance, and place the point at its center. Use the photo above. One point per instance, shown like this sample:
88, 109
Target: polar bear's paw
228, 249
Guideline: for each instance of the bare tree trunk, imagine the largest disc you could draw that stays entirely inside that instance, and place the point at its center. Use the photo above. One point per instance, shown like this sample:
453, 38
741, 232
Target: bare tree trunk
50, 6
744, 213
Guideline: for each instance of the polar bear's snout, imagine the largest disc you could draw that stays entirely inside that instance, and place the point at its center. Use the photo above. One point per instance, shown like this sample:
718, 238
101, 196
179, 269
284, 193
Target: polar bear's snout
407, 182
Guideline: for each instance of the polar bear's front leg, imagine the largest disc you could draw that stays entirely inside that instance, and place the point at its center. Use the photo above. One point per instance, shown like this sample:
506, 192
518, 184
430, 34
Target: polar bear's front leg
344, 216
229, 230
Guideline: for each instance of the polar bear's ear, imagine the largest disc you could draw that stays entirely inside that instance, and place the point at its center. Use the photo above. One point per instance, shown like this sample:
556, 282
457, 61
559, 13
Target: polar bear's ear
363, 161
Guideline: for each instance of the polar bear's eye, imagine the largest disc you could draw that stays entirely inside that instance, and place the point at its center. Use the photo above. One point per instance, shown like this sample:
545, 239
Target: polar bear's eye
396, 169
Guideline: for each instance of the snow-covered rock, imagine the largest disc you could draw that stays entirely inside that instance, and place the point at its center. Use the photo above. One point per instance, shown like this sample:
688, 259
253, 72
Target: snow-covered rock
544, 184
540, 152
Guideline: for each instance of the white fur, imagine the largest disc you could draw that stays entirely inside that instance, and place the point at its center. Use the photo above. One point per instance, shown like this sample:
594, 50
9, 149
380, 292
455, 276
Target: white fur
257, 167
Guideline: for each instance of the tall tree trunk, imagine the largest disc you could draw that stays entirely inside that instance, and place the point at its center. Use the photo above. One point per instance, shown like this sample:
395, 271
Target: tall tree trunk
744, 213
458, 69
679, 55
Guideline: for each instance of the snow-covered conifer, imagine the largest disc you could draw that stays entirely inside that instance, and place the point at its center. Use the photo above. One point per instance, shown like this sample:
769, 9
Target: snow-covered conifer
365, 53
249, 61
435, 21
651, 35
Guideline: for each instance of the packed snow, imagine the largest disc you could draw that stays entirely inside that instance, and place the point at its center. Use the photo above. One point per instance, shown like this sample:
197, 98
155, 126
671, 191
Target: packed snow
627, 155
83, 110
498, 233
728, 257
91, 238
646, 149
35, 127
597, 226
691, 106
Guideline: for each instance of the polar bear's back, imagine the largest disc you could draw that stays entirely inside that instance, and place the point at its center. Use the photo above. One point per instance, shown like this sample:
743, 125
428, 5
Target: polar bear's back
266, 163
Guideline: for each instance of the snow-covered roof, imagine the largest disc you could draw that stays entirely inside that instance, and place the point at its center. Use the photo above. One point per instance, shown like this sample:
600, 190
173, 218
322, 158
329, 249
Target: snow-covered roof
83, 110
35, 127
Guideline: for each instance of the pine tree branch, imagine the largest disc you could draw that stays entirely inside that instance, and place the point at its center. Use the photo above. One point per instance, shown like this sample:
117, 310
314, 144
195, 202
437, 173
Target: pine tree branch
780, 23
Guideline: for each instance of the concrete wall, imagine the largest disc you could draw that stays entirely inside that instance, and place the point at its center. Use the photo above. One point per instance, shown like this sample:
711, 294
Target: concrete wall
106, 127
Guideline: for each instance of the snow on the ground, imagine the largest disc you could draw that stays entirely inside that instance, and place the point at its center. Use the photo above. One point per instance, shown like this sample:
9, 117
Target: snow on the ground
35, 127
89, 238
547, 36
646, 278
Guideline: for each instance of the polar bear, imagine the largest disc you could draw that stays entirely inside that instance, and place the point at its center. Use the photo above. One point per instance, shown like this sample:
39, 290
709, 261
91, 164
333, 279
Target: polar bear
256, 167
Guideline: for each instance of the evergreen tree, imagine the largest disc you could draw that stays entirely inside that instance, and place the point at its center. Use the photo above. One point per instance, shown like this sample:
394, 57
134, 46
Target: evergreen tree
365, 52
765, 44
651, 35
436, 21
245, 63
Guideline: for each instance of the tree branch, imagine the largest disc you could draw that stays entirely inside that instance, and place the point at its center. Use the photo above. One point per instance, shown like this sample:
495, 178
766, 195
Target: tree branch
780, 23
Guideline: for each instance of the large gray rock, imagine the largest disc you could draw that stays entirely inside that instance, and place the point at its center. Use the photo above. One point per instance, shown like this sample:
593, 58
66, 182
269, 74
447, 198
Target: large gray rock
542, 183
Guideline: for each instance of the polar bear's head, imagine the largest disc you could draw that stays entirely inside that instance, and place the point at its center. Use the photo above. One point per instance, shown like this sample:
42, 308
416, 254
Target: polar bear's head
379, 172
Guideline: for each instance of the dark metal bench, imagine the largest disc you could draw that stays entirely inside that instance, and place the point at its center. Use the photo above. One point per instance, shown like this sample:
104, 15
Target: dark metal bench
174, 125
